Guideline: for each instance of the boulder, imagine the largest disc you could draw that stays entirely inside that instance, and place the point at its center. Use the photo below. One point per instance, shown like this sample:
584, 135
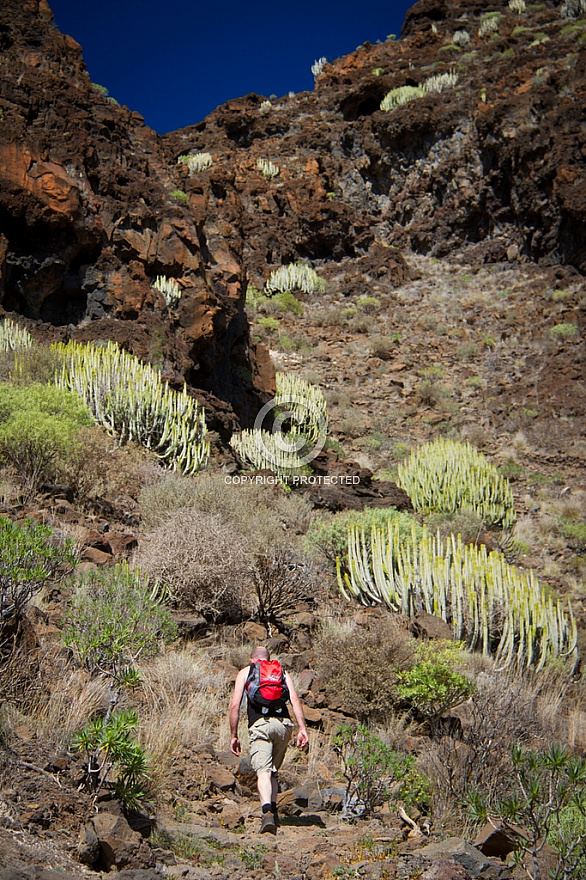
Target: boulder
219, 778
495, 841
120, 846
457, 850
445, 869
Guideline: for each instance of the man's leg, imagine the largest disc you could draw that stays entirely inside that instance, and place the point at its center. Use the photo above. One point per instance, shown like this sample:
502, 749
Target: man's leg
265, 787
261, 756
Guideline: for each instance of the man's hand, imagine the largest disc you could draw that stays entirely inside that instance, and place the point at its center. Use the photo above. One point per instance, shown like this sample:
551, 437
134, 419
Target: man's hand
235, 746
302, 738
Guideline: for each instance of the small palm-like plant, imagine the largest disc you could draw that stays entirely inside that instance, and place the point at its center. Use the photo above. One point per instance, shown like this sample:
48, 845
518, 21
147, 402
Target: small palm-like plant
111, 750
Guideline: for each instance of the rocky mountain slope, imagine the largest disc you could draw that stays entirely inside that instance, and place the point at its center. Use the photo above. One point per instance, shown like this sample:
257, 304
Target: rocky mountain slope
451, 233
94, 205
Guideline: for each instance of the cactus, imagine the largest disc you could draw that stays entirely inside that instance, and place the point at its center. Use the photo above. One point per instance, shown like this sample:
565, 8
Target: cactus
196, 161
400, 96
269, 170
490, 606
446, 476
295, 276
169, 288
129, 399
264, 450
461, 38
518, 6
307, 406
303, 407
13, 337
440, 81
317, 67
489, 26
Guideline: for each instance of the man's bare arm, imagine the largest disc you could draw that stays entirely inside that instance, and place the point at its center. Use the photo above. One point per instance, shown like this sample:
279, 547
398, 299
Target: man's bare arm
302, 737
239, 684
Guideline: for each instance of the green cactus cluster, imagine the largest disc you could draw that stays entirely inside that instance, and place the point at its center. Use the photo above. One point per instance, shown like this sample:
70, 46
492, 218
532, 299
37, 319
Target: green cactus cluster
128, 398
306, 404
446, 476
490, 605
13, 337
305, 428
440, 81
263, 450
170, 289
196, 161
268, 168
294, 276
401, 95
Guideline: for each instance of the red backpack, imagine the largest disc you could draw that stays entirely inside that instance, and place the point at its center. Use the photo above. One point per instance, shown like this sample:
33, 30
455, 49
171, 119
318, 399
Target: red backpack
266, 685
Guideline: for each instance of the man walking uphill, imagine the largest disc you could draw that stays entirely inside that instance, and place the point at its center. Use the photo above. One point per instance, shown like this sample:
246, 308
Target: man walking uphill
268, 689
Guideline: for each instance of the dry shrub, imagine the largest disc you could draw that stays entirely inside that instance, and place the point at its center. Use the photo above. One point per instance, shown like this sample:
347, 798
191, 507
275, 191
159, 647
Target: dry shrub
359, 663
99, 467
281, 581
262, 514
507, 708
467, 524
62, 703
201, 561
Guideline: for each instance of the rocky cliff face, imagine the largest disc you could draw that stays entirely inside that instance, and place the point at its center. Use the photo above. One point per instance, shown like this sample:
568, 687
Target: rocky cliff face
94, 205
490, 167
89, 220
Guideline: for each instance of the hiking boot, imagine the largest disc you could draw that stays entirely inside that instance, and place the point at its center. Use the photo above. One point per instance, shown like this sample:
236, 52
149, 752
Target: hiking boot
267, 824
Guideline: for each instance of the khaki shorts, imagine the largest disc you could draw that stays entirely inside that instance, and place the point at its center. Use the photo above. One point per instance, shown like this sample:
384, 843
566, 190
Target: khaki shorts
268, 739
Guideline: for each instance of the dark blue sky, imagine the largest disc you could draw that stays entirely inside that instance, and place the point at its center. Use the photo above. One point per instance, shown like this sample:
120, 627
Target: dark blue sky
175, 60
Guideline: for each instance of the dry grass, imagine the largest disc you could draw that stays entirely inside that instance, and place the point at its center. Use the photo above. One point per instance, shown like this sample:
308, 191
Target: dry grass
507, 708
180, 705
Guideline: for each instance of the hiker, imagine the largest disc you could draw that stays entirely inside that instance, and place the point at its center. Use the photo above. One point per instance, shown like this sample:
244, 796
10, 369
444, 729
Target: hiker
267, 688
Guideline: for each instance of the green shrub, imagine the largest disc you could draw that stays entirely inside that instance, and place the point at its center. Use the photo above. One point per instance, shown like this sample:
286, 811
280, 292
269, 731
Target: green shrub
368, 304
115, 618
268, 323
109, 745
447, 476
30, 558
38, 429
574, 532
548, 800
371, 769
562, 332
286, 302
330, 535
179, 196
433, 686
